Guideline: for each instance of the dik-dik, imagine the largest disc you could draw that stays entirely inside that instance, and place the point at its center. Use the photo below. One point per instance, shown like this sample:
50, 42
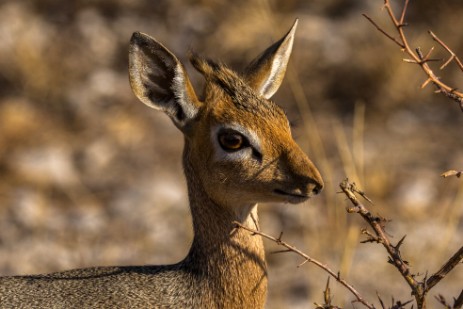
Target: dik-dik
238, 152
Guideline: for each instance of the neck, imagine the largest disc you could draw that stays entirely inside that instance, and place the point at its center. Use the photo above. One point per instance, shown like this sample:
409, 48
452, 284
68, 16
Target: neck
232, 261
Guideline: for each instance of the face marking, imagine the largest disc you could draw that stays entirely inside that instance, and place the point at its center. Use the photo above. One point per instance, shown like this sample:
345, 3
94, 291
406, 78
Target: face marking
245, 153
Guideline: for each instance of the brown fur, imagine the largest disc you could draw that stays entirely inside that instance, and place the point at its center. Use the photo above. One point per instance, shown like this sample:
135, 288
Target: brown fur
225, 267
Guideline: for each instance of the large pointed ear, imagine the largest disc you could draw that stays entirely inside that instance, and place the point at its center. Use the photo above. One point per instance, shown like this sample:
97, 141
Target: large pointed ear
266, 72
160, 81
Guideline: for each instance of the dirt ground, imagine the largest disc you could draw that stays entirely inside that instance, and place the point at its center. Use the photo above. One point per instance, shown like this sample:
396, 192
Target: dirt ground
90, 176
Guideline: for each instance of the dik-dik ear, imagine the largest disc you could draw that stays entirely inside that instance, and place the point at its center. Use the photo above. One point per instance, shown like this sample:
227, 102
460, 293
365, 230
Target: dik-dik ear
266, 72
160, 81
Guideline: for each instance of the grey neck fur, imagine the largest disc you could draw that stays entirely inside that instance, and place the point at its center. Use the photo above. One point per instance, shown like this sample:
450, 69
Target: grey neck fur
225, 268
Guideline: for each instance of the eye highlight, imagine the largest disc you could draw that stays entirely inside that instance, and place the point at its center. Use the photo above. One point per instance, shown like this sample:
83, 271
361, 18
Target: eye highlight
231, 140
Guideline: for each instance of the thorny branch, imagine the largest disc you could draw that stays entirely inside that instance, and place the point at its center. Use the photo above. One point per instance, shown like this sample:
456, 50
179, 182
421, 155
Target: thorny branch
290, 248
417, 57
378, 223
419, 288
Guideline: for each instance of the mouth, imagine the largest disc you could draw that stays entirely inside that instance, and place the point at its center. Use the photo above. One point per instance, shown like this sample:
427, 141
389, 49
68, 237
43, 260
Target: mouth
292, 197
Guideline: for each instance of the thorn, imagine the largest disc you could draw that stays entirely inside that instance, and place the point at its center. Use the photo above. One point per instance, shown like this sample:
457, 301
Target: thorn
426, 83
362, 193
404, 10
425, 280
401, 241
451, 58
401, 44
419, 53
327, 293
431, 60
380, 300
447, 62
429, 53
305, 261
280, 251
409, 61
279, 237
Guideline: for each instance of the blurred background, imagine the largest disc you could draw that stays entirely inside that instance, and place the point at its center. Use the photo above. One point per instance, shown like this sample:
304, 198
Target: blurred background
90, 176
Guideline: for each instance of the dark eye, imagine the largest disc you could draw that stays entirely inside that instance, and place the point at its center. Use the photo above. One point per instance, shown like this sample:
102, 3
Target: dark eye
232, 141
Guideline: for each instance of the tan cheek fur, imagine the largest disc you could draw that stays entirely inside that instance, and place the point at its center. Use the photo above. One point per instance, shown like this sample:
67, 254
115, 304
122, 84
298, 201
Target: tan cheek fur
245, 181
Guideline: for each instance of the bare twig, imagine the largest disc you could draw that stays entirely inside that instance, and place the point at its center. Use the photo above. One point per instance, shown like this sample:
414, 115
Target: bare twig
441, 299
452, 173
309, 259
327, 293
419, 288
453, 56
416, 57
457, 302
393, 39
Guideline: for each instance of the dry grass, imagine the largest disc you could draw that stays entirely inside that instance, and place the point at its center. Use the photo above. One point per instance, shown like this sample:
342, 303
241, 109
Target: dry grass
88, 176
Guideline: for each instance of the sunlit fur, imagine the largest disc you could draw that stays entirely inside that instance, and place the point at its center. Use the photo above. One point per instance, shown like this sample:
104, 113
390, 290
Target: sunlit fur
225, 267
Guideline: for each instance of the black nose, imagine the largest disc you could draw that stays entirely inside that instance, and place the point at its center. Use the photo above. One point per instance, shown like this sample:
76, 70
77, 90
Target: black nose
317, 189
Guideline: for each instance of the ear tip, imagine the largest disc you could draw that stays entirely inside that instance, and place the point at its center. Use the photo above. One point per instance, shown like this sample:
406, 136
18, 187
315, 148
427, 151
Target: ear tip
294, 27
136, 36
140, 38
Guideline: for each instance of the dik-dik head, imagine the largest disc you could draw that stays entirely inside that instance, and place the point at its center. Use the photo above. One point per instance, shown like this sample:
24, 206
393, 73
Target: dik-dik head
238, 142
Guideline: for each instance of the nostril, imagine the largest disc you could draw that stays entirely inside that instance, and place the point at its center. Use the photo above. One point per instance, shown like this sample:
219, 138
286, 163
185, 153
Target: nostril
317, 189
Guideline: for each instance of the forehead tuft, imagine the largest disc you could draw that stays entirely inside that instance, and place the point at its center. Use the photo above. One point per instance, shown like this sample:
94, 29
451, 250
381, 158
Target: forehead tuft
224, 84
